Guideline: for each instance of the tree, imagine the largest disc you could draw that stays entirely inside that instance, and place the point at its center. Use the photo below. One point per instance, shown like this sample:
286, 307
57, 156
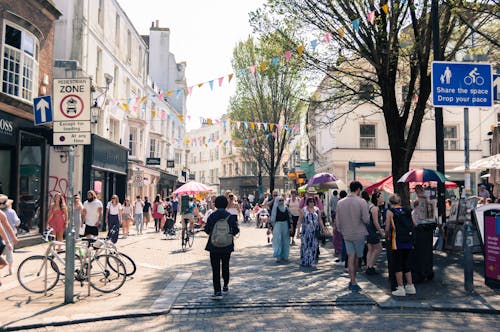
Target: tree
391, 52
266, 104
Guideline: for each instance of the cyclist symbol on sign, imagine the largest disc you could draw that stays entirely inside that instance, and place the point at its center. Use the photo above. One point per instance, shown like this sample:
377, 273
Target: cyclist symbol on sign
474, 78
71, 105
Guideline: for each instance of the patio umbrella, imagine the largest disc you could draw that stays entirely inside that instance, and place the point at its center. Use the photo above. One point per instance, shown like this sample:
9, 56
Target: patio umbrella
192, 188
302, 189
386, 185
423, 175
321, 178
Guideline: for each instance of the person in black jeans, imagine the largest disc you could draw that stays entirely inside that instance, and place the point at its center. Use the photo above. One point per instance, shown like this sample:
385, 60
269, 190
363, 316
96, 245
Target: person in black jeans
220, 254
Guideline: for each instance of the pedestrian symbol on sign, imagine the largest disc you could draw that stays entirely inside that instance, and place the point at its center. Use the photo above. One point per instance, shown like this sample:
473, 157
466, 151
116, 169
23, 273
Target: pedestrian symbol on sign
446, 76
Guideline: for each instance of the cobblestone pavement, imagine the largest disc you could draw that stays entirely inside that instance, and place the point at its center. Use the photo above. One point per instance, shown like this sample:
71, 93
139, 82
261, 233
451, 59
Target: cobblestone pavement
359, 318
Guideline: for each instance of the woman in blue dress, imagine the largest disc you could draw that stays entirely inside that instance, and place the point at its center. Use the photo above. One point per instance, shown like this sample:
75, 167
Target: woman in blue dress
308, 228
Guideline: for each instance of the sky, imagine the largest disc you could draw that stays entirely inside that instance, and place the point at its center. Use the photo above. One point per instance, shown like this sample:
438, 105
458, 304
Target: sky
204, 34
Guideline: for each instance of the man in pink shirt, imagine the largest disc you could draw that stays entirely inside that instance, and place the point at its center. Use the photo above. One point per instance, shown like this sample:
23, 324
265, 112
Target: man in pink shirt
352, 217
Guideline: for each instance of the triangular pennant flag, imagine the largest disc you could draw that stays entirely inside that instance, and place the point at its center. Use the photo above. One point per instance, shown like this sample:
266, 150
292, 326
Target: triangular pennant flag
252, 125
153, 113
190, 90
125, 107
275, 61
200, 84
169, 93
242, 71
314, 43
230, 77
220, 80
263, 65
327, 37
209, 121
278, 126
246, 124
180, 117
160, 96
211, 83
355, 24
252, 69
271, 126
341, 33
385, 8
163, 115
300, 49
371, 17
288, 54
177, 93
143, 98
265, 126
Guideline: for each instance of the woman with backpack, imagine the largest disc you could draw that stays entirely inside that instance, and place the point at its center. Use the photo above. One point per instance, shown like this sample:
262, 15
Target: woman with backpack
221, 227
400, 227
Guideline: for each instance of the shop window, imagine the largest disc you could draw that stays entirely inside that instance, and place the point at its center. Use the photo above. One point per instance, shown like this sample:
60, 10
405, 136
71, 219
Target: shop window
20, 63
367, 136
451, 138
114, 130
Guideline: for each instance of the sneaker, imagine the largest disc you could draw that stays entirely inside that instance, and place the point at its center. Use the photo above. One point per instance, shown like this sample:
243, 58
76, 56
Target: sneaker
354, 288
410, 289
400, 291
371, 271
225, 290
217, 296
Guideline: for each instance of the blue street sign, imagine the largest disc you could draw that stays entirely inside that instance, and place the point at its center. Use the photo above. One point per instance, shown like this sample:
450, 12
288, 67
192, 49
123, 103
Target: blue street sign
462, 84
42, 109
496, 87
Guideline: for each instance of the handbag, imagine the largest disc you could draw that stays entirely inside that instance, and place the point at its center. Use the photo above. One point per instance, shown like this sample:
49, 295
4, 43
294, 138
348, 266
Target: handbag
2, 245
160, 209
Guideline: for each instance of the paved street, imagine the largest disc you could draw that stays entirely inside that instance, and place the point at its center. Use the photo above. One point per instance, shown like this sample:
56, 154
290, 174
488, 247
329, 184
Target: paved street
172, 289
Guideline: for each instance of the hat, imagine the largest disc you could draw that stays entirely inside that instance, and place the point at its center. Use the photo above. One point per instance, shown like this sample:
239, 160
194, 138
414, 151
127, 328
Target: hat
311, 190
5, 202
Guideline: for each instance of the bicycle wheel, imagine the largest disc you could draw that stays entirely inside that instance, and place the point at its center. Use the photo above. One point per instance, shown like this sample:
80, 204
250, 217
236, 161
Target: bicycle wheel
107, 273
190, 239
31, 274
184, 240
128, 262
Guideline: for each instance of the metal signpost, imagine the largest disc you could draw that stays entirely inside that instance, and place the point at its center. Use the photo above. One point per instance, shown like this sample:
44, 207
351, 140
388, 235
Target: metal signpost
353, 165
72, 100
463, 84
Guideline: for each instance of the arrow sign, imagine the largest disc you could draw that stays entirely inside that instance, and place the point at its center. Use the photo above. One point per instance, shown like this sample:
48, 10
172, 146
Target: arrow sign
42, 109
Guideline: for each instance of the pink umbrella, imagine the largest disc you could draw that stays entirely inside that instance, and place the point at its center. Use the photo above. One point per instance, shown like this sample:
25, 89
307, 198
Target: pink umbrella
386, 185
192, 188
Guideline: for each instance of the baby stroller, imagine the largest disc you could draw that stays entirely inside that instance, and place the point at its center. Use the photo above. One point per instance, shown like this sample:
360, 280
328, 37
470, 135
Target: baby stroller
169, 229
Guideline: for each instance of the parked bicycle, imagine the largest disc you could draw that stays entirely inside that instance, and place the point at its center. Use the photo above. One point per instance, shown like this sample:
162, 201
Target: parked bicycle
40, 273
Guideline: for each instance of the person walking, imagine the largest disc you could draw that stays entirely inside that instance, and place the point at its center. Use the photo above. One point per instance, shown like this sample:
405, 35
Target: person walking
158, 212
77, 215
127, 213
375, 232
400, 226
146, 212
114, 218
175, 207
308, 228
11, 230
293, 206
281, 222
92, 214
8, 237
138, 216
58, 217
220, 255
352, 218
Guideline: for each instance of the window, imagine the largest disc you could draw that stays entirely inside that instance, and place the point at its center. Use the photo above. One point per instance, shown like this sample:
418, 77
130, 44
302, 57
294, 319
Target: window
178, 158
216, 153
140, 151
450, 138
139, 64
115, 82
20, 63
117, 31
129, 46
367, 136
100, 14
132, 142
114, 130
127, 87
366, 91
98, 67
153, 148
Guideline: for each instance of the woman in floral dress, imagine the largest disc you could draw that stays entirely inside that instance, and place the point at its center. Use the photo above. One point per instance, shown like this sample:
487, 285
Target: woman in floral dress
308, 228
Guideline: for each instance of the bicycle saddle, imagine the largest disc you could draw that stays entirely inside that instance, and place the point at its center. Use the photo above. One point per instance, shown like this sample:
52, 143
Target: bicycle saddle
89, 239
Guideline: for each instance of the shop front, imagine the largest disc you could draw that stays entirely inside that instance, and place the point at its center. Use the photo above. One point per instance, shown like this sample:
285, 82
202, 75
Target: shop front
105, 169
142, 181
167, 184
23, 170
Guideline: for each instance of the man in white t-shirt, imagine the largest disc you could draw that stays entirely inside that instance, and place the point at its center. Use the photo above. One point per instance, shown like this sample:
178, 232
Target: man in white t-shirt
138, 213
92, 214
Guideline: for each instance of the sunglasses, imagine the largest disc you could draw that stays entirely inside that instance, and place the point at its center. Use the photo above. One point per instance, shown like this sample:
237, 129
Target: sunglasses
281, 200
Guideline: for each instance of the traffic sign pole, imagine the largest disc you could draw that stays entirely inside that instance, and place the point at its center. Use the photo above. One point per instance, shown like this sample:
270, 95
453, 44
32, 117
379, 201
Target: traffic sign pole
71, 234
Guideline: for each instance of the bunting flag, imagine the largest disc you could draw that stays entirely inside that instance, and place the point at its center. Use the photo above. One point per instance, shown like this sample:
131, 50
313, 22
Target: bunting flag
142, 99
211, 83
230, 77
200, 84
275, 61
263, 65
314, 43
180, 117
125, 106
341, 33
221, 79
163, 115
288, 55
252, 125
271, 126
327, 37
252, 69
153, 113
385, 8
355, 25
371, 17
177, 93
300, 50
169, 93
190, 89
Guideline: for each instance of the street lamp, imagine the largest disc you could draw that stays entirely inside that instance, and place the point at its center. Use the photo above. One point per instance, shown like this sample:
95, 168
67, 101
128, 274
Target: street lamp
95, 108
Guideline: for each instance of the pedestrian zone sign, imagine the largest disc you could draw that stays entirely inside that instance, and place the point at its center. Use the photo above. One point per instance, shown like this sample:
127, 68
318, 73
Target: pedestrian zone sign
462, 84
42, 110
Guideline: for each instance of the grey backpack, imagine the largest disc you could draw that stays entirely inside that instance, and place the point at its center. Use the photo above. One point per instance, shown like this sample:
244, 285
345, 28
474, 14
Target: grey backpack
221, 234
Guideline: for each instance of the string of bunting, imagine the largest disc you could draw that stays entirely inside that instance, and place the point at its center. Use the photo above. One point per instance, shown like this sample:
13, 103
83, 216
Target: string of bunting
262, 66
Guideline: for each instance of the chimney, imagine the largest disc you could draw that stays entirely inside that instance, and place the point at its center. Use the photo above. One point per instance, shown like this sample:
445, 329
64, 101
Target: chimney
157, 23
152, 24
